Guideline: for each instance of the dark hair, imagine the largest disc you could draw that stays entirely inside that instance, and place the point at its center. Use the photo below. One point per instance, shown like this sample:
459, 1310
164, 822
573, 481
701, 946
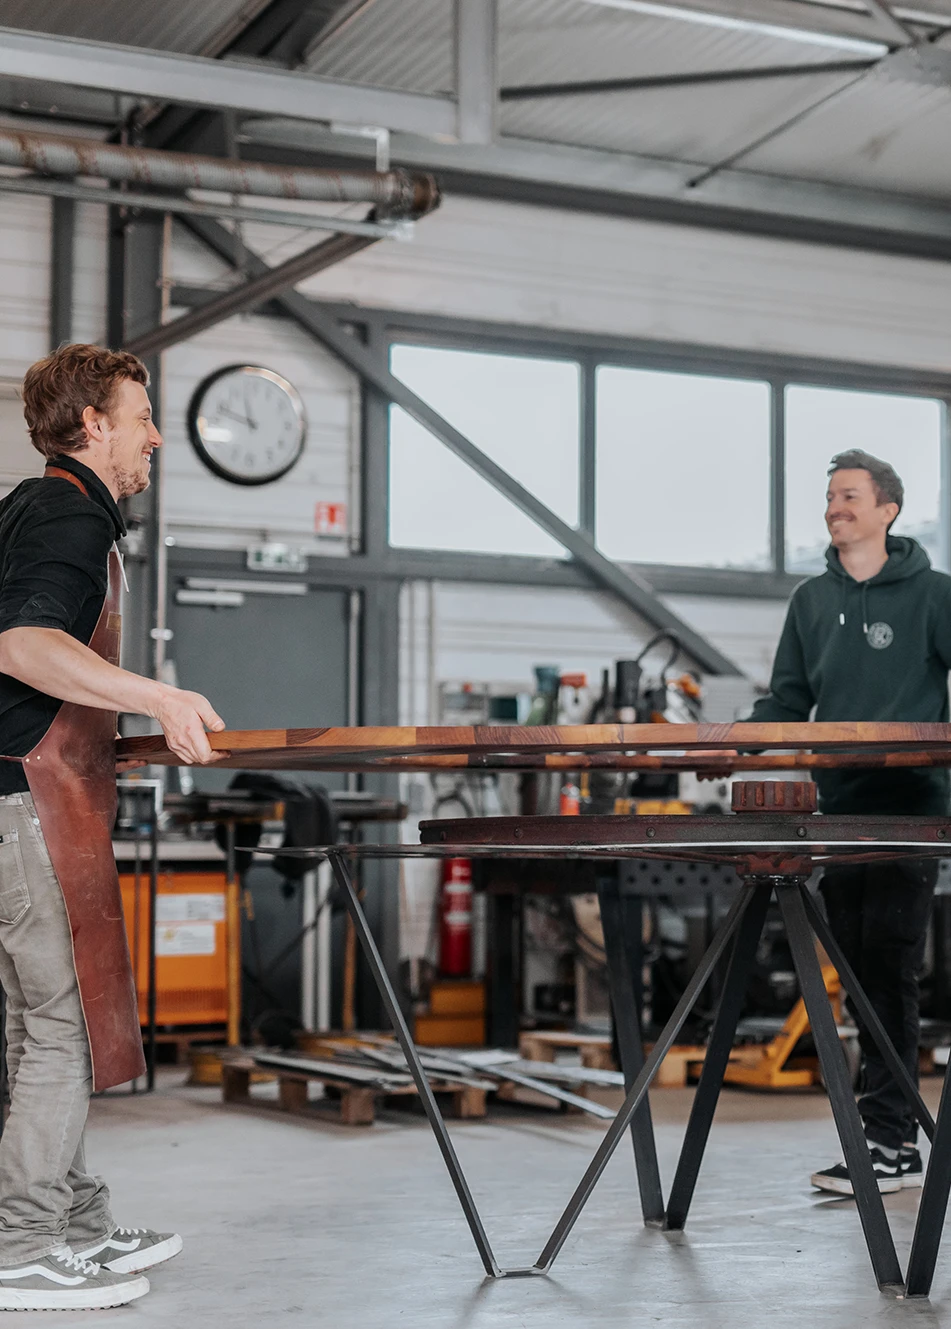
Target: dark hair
887, 483
57, 389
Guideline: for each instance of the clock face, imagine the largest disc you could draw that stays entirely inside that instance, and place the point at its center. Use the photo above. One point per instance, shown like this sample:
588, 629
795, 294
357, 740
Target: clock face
247, 424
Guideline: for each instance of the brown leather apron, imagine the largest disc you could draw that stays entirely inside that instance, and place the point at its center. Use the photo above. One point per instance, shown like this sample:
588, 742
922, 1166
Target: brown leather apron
72, 777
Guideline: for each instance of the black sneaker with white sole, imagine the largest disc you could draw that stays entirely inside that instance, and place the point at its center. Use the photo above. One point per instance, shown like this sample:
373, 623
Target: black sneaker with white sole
129, 1250
912, 1171
889, 1173
64, 1281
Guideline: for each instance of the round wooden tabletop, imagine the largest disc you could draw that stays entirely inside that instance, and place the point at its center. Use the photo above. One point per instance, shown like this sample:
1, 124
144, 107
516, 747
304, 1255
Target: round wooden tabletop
705, 748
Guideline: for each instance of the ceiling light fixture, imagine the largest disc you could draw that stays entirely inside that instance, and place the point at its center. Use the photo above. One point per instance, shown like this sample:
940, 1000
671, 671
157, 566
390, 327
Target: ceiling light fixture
707, 18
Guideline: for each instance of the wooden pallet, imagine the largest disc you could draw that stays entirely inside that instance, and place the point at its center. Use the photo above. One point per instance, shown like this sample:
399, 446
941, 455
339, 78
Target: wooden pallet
682, 1062
542, 1045
358, 1102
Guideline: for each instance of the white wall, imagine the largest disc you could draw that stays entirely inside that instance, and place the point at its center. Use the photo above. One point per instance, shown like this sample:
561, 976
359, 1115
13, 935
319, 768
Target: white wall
203, 510
572, 270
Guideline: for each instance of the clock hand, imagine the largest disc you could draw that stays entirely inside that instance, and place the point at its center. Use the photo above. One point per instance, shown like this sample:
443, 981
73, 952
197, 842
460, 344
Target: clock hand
242, 419
252, 423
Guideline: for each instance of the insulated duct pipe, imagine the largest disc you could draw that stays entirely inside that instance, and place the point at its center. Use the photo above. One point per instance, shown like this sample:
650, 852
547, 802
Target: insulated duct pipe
393, 193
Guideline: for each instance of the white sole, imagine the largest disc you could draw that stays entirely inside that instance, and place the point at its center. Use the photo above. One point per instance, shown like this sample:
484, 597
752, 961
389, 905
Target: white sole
93, 1299
136, 1261
909, 1183
840, 1186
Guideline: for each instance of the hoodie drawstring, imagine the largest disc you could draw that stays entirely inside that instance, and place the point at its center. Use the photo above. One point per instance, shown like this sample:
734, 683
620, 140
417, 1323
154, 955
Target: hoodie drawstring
864, 607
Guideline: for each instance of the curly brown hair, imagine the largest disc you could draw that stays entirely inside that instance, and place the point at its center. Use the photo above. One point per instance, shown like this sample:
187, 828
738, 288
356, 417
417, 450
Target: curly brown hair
57, 389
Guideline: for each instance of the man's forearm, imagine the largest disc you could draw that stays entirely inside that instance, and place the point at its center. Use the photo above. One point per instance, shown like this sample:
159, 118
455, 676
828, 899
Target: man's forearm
56, 663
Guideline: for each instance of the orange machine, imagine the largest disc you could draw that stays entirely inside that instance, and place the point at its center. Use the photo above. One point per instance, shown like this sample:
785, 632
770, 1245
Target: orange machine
190, 964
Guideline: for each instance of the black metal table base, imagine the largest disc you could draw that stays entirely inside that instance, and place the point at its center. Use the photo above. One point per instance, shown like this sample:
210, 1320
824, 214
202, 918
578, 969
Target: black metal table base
741, 926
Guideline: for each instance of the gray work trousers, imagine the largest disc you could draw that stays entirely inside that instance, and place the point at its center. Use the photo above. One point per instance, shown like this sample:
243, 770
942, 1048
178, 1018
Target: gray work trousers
46, 1195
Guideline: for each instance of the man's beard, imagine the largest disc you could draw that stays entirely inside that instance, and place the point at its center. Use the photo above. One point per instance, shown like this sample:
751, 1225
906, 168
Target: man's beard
128, 482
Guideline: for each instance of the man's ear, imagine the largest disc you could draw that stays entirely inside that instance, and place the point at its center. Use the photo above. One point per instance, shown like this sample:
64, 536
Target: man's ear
94, 423
891, 511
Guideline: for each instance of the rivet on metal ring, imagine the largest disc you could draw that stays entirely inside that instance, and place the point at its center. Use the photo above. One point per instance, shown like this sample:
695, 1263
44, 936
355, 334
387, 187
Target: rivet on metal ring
801, 831
650, 832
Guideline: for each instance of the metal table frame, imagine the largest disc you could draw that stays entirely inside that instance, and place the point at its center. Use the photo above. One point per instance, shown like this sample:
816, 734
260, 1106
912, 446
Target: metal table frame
771, 860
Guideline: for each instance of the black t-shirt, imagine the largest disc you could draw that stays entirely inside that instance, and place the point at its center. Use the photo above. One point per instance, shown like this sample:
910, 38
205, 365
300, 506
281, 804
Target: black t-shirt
54, 573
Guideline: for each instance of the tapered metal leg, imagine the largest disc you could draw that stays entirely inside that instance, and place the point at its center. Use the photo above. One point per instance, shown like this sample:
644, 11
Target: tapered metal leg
718, 1054
385, 988
868, 1199
869, 1016
934, 1202
640, 1086
627, 1022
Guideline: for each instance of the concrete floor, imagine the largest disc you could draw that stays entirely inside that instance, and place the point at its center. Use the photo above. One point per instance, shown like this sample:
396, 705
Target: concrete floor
308, 1223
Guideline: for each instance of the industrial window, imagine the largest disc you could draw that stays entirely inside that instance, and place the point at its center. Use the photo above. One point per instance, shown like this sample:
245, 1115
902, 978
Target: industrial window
682, 468
905, 431
523, 412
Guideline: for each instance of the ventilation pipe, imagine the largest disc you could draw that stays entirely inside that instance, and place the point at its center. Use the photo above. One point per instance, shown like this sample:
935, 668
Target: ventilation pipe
395, 194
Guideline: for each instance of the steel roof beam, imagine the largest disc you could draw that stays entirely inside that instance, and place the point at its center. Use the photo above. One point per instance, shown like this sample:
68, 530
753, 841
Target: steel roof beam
267, 283
476, 49
897, 30
652, 82
249, 88
658, 189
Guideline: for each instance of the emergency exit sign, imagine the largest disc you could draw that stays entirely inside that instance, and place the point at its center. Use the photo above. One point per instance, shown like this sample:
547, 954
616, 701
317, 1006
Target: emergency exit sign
331, 519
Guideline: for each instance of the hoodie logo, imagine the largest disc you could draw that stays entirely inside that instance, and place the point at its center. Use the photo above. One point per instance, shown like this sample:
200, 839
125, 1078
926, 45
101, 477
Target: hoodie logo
879, 636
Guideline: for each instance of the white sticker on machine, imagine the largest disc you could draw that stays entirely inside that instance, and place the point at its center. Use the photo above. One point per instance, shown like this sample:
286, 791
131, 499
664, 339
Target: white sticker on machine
185, 939
175, 908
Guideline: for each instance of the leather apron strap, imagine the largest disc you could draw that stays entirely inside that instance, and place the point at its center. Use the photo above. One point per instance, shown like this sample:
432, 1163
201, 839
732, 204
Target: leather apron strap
58, 473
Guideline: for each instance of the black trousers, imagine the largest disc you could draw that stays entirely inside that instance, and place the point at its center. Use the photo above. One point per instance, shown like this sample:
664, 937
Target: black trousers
879, 915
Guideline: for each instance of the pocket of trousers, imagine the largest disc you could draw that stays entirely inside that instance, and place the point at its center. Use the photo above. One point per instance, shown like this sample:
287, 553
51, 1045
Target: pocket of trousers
14, 893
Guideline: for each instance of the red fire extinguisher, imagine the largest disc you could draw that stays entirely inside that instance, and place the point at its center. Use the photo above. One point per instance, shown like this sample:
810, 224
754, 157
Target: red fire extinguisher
455, 922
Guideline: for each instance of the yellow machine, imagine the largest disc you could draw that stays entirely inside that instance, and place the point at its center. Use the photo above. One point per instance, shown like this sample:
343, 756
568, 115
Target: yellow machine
772, 1065
190, 965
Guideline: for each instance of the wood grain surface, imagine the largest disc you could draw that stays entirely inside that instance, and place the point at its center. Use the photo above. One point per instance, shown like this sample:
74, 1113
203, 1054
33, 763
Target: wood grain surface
571, 747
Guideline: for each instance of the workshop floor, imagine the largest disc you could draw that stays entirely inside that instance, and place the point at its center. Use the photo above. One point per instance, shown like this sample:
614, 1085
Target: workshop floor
312, 1224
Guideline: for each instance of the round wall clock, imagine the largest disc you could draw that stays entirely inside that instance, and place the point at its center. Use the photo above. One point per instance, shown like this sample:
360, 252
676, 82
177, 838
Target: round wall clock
247, 424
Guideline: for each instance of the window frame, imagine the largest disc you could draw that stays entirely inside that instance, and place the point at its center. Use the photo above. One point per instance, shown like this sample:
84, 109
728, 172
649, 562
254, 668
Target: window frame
590, 350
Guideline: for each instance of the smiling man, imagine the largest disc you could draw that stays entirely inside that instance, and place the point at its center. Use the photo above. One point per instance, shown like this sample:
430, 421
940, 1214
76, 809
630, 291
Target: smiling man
72, 1019
870, 639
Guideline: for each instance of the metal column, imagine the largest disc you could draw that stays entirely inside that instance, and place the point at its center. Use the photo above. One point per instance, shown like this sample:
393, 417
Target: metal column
62, 265
136, 256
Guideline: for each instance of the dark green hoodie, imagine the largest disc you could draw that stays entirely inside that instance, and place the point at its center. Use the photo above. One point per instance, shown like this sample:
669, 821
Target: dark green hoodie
873, 650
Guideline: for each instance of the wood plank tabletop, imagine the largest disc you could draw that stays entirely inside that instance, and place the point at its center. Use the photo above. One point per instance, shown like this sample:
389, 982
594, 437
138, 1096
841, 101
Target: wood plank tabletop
702, 747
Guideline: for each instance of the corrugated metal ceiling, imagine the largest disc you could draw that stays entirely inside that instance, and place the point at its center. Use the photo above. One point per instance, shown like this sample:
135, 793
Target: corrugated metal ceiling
173, 25
394, 44
408, 43
882, 134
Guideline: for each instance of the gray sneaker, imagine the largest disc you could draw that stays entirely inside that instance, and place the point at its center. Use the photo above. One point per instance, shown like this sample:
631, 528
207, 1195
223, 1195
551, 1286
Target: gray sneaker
131, 1249
64, 1281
